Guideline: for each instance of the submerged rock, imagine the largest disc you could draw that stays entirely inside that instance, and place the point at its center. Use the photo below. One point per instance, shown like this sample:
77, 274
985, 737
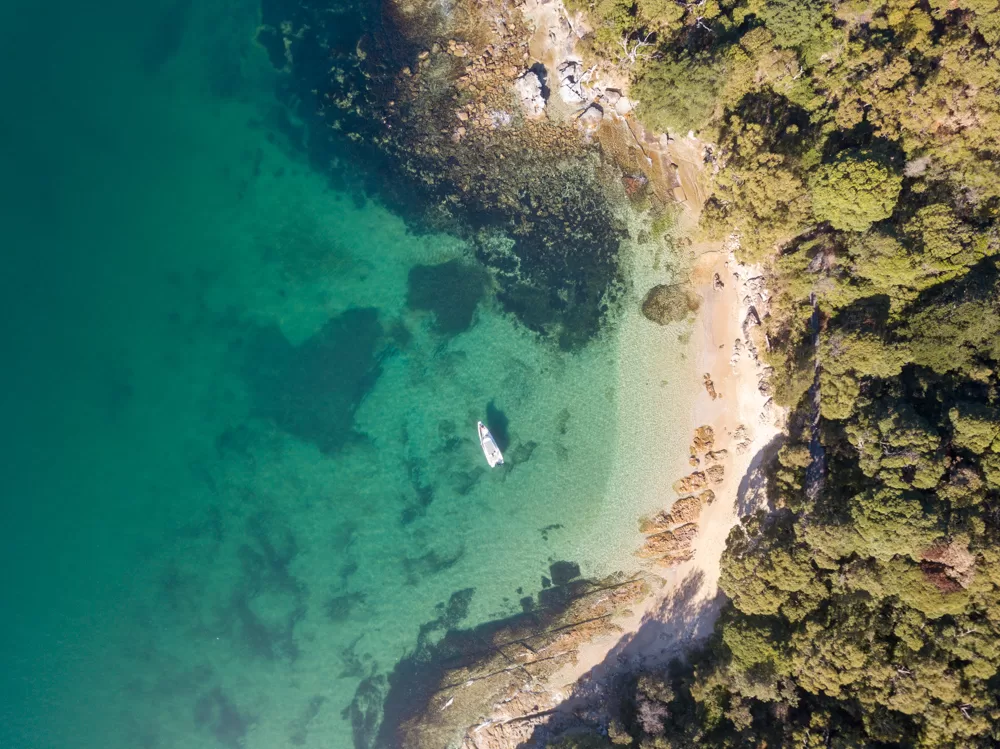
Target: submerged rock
665, 304
439, 143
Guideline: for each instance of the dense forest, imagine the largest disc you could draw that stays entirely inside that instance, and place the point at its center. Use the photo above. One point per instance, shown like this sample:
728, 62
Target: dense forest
856, 148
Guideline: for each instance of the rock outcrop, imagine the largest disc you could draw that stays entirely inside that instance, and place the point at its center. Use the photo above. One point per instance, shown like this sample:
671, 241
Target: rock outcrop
670, 543
591, 118
570, 85
485, 687
670, 536
704, 439
709, 386
691, 483
529, 91
716, 474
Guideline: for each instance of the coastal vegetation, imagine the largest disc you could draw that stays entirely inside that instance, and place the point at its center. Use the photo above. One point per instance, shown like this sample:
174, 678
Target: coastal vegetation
856, 146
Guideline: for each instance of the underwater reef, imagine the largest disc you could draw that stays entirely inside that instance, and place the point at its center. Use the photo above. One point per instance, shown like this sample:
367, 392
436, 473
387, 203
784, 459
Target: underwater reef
426, 99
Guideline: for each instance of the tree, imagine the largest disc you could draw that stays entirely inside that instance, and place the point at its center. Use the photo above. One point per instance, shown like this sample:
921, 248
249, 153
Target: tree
854, 191
679, 93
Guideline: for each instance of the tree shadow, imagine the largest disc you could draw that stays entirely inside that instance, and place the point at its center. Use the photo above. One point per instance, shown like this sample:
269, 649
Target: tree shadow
752, 492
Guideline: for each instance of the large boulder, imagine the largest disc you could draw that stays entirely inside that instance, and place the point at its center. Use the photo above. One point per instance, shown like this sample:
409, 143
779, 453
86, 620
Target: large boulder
666, 304
529, 91
591, 118
570, 87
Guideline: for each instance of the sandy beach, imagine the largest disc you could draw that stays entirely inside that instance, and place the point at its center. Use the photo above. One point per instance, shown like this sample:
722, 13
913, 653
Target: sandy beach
685, 599
730, 402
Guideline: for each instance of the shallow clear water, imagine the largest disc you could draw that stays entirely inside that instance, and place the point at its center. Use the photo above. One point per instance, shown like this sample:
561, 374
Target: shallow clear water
240, 459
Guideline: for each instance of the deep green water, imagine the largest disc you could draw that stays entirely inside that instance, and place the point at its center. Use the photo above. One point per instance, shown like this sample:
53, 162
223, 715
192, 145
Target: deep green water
240, 466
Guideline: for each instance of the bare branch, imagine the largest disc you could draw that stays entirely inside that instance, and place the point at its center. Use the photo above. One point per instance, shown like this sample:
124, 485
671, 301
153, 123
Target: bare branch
631, 47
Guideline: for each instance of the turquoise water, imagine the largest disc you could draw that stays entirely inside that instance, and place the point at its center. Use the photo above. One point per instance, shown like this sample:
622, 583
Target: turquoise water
240, 460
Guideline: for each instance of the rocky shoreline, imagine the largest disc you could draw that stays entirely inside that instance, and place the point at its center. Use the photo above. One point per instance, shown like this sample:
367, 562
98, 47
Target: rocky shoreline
474, 134
490, 686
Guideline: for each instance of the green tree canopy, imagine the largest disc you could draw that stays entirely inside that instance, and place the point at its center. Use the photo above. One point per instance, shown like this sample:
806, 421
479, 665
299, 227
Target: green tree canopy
854, 191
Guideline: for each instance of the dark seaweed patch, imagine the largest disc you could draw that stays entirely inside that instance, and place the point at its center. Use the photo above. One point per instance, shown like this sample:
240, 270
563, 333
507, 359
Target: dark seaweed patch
429, 564
346, 570
268, 602
167, 37
549, 528
451, 290
463, 482
457, 608
424, 494
365, 711
313, 390
523, 452
339, 607
562, 421
562, 572
355, 665
275, 549
450, 441
300, 726
216, 713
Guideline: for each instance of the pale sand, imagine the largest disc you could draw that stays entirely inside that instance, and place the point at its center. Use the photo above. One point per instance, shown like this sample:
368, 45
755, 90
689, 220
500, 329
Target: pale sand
683, 610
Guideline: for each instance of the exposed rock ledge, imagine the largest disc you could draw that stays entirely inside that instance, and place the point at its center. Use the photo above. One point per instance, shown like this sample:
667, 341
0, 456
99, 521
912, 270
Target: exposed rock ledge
487, 687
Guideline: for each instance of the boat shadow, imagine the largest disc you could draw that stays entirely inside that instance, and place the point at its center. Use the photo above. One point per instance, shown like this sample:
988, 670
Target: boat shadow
497, 423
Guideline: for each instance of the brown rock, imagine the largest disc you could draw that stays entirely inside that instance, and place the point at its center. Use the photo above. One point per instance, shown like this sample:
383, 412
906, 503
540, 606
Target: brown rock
716, 457
709, 386
670, 542
715, 474
764, 387
675, 558
686, 510
707, 497
743, 440
704, 438
691, 483
660, 522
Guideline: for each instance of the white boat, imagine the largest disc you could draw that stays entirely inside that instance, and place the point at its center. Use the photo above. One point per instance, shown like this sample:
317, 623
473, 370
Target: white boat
493, 455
